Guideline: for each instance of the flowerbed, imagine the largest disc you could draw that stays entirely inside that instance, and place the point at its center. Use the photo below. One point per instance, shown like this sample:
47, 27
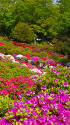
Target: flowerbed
36, 97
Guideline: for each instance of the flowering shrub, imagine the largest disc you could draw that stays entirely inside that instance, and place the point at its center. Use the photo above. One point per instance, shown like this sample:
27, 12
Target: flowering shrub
28, 56
65, 60
49, 60
17, 50
9, 70
41, 109
35, 58
14, 86
1, 43
27, 52
55, 79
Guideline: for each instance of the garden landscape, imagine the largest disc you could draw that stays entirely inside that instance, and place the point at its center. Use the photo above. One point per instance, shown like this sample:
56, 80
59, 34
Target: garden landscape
34, 62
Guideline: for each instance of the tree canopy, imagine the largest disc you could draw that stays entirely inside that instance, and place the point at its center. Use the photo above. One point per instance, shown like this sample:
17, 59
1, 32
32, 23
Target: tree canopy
46, 19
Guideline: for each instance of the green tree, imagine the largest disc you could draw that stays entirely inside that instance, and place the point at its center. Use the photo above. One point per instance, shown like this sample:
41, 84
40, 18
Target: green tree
23, 32
6, 17
64, 5
63, 23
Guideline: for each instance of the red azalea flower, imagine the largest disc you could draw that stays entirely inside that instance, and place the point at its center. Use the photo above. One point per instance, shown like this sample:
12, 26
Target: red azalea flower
1, 57
1, 43
27, 55
53, 64
44, 58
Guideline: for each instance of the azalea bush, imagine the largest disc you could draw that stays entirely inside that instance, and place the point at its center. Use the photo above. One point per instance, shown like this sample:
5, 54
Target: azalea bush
16, 50
41, 109
9, 47
9, 70
14, 86
3, 49
55, 79
55, 57
43, 54
27, 52
65, 60
37, 50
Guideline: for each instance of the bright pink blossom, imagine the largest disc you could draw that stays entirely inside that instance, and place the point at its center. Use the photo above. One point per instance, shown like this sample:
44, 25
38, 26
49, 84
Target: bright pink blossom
65, 84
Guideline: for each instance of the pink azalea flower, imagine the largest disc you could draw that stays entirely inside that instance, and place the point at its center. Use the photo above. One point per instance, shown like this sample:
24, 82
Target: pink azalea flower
40, 80
43, 87
49, 60
66, 75
14, 55
65, 84
1, 43
28, 92
56, 80
44, 58
52, 87
57, 72
62, 91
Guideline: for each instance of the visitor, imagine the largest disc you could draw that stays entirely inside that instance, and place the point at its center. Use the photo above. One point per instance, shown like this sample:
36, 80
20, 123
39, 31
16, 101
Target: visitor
37, 64
32, 62
6, 53
18, 59
41, 65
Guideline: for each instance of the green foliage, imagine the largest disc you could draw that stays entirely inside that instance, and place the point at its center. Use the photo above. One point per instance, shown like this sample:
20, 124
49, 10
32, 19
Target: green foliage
61, 46
23, 32
23, 58
65, 60
9, 70
16, 50
5, 104
43, 54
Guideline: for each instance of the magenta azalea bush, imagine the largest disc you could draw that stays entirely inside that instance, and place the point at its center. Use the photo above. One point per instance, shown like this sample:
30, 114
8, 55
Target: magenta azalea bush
41, 109
35, 58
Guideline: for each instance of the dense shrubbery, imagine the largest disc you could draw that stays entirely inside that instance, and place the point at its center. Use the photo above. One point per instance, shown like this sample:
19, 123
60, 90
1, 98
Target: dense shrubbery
9, 70
61, 46
5, 104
